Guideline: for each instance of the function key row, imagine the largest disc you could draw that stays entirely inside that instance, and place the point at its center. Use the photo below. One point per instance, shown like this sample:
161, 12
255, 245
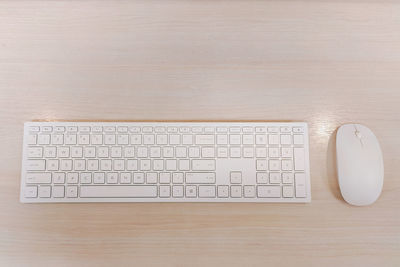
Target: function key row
162, 129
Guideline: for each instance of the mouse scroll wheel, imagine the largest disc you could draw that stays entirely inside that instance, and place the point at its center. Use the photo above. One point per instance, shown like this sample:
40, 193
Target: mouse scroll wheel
358, 134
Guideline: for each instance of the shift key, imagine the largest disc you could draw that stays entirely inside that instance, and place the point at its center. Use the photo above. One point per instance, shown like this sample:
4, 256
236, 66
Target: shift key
35, 165
203, 165
38, 178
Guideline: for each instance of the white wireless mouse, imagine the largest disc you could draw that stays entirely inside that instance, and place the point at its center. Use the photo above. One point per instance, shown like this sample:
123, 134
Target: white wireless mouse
359, 164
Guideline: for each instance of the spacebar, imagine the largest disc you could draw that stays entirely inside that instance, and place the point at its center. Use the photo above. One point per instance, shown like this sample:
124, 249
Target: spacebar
119, 191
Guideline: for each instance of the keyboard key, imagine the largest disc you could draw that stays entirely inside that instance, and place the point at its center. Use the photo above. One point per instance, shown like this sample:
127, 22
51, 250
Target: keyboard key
72, 129
194, 152
38, 178
66, 165
58, 191
248, 139
222, 152
126, 178
261, 165
274, 165
223, 191
99, 178
148, 139
203, 164
249, 191
97, 139
191, 191
57, 139
299, 159
180, 152
58, 177
72, 191
171, 165
222, 139
207, 191
122, 139
35, 165
83, 139
286, 139
138, 178
273, 139
105, 165
287, 178
274, 177
35, 152
136, 139
134, 129
248, 152
109, 129
234, 139
34, 128
298, 129
109, 139
261, 139
165, 178
126, 191
205, 139
187, 139
268, 191
222, 129
184, 165
262, 178
158, 165
200, 178
147, 129
84, 128
287, 191
177, 178
287, 152
298, 139
273, 152
300, 181
236, 191
235, 152
44, 191
31, 140
236, 178
86, 178
30, 191
97, 129
234, 129
46, 128
177, 191
165, 190
151, 177
287, 165
112, 178
273, 129
247, 129
52, 164
261, 130
122, 129
70, 139
261, 152
208, 152
43, 139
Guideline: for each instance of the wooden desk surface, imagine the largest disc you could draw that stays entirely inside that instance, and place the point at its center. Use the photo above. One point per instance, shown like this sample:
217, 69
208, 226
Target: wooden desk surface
323, 62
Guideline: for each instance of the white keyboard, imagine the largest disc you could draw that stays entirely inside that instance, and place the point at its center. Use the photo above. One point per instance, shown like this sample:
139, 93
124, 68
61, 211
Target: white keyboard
165, 162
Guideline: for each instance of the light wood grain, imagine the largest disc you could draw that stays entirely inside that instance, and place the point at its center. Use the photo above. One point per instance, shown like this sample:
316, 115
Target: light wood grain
323, 62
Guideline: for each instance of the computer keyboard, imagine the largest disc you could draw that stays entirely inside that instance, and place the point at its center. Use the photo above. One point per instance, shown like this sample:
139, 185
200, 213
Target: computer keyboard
165, 162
